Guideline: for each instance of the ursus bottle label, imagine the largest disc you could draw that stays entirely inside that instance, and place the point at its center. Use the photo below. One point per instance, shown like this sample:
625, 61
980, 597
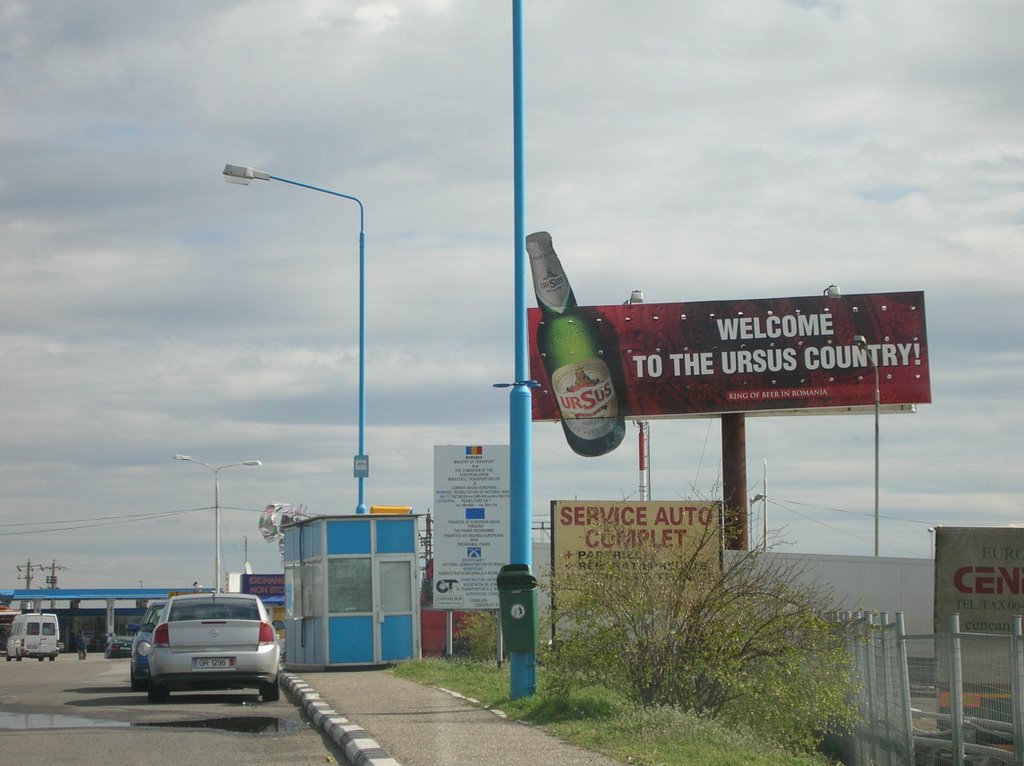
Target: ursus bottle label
586, 398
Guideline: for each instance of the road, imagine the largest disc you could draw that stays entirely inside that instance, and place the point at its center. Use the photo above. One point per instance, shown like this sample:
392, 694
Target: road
72, 711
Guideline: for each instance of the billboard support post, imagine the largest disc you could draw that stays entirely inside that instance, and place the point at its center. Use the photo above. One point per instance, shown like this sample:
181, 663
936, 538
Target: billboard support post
734, 480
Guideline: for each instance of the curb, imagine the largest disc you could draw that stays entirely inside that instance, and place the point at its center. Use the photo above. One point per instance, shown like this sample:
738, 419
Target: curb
358, 746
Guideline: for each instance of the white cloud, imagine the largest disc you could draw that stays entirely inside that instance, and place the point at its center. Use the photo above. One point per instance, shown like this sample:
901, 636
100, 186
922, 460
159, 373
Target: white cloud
696, 151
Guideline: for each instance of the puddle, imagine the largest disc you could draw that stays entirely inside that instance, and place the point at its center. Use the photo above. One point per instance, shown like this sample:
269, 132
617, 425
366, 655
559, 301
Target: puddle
21, 721
235, 724
238, 724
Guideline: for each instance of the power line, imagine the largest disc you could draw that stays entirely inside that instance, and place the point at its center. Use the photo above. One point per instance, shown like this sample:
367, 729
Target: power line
782, 503
102, 521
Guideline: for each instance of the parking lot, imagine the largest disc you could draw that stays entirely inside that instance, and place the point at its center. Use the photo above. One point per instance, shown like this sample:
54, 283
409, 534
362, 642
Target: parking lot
90, 705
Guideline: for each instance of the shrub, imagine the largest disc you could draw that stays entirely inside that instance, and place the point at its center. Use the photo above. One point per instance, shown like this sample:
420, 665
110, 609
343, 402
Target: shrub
741, 642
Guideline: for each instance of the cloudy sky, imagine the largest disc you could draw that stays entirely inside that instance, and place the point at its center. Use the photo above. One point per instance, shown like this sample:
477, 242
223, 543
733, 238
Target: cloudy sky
697, 151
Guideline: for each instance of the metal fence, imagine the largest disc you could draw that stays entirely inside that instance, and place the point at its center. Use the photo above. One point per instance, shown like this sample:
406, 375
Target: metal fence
953, 699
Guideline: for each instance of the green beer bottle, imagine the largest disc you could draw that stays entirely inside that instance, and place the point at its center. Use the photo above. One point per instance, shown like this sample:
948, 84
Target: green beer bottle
570, 347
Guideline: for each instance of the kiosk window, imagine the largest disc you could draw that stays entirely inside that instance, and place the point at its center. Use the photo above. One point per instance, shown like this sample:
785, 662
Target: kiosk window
349, 587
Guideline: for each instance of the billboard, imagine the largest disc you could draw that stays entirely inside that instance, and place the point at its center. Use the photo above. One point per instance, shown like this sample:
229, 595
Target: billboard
979, 574
584, 529
471, 524
753, 356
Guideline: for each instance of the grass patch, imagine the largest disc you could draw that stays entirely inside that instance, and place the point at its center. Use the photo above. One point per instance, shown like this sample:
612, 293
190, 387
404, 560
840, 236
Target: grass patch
602, 720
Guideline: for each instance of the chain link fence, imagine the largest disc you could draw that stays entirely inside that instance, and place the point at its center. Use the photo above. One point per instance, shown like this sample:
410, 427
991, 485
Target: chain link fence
952, 699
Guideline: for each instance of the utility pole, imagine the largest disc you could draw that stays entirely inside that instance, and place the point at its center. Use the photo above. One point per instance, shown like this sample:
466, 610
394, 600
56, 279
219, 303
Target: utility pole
51, 579
28, 569
427, 539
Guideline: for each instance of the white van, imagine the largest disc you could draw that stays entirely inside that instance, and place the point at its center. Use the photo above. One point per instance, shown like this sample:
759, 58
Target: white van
33, 635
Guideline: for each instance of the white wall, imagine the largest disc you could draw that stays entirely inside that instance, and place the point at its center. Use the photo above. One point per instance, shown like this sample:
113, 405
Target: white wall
874, 584
855, 582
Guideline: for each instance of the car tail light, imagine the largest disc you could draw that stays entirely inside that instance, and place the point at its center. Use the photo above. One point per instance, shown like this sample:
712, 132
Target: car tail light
267, 634
161, 636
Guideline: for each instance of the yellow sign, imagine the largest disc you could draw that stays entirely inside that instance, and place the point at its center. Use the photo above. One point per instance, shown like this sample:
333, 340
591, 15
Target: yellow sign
390, 509
588, 528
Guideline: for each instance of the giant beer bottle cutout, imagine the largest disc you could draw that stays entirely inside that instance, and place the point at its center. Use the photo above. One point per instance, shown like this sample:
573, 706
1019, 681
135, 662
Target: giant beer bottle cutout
570, 347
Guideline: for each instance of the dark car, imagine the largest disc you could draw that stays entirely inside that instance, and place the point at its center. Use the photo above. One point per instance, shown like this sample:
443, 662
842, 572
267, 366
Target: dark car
118, 646
141, 646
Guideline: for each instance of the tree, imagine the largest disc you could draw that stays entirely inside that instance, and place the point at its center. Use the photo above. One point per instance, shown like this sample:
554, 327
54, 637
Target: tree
741, 640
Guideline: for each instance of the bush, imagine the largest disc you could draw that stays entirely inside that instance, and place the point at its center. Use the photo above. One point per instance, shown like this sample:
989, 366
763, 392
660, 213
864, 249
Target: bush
742, 643
480, 631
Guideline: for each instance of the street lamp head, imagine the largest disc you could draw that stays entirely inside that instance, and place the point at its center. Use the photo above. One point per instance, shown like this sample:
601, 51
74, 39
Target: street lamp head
182, 457
832, 291
860, 341
251, 462
240, 174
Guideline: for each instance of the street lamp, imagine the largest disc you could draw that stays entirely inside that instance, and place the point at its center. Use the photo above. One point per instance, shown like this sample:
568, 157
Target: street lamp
861, 342
522, 665
764, 516
216, 508
240, 174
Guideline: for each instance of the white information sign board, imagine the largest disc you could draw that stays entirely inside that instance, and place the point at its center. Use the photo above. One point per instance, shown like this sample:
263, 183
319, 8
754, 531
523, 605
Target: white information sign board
471, 524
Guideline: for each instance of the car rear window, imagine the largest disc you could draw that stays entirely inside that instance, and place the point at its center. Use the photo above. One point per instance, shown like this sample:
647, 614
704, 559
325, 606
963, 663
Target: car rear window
214, 610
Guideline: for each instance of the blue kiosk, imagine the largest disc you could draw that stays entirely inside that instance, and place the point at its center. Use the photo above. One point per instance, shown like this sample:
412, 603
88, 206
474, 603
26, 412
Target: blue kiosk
351, 590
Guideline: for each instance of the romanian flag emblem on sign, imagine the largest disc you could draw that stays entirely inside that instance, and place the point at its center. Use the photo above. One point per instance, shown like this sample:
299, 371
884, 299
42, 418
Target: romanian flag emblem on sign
474, 451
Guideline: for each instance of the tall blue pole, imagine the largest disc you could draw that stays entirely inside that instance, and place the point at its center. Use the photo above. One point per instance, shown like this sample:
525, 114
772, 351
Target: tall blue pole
361, 466
522, 665
362, 469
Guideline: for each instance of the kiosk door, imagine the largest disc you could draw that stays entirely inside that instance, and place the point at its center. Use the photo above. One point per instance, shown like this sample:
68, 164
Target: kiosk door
394, 610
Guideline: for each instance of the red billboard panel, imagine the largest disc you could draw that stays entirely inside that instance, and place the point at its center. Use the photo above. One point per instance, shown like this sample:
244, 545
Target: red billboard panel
686, 359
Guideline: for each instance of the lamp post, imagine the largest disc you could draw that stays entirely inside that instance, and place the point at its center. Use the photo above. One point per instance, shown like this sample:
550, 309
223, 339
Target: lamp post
240, 174
764, 517
522, 665
861, 342
216, 508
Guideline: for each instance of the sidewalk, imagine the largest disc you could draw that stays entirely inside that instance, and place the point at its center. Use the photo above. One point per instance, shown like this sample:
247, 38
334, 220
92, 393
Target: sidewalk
380, 720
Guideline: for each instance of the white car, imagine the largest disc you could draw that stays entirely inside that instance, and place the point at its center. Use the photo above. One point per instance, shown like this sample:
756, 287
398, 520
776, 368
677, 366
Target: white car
214, 641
